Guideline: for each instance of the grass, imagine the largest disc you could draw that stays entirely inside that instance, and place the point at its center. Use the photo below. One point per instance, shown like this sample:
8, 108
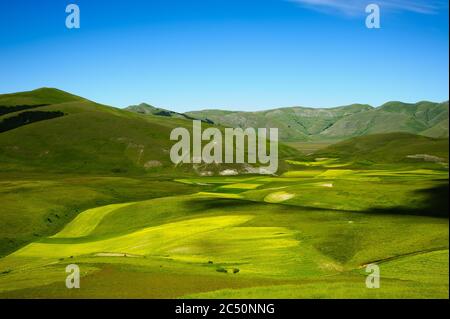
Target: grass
240, 186
299, 125
46, 203
309, 147
311, 246
82, 194
87, 221
388, 148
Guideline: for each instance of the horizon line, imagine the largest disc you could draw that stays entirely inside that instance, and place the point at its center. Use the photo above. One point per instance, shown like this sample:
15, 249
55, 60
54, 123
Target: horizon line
231, 109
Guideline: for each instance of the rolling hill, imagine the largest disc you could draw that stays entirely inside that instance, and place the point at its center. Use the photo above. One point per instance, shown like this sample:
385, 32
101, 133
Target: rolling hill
61, 154
86, 137
295, 123
424, 118
389, 148
334, 124
148, 109
43, 96
51, 130
92, 185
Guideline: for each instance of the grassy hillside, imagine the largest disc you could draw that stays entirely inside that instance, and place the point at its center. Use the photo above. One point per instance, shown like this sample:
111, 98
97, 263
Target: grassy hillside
293, 236
147, 109
38, 96
93, 154
307, 124
94, 186
89, 137
425, 118
389, 148
90, 155
294, 124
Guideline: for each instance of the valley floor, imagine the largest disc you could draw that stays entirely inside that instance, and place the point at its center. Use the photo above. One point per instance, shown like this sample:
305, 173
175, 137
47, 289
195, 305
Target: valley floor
306, 234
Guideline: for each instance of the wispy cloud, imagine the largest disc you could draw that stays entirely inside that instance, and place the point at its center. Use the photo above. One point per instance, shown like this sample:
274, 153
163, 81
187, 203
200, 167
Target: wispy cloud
357, 7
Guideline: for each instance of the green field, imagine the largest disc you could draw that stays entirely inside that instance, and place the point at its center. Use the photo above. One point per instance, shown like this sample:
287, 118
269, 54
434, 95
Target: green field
243, 237
109, 200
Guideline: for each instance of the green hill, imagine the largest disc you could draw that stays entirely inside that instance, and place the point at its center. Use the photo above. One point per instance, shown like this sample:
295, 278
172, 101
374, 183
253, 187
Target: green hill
425, 118
147, 109
39, 96
88, 137
294, 123
333, 124
60, 132
92, 185
61, 154
389, 148
14, 102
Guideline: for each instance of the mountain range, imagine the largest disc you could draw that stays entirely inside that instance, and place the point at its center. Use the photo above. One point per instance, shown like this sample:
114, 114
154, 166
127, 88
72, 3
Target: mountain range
332, 124
52, 130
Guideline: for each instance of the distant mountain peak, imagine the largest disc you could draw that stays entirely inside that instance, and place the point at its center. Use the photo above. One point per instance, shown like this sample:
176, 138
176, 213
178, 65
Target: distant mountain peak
147, 105
144, 108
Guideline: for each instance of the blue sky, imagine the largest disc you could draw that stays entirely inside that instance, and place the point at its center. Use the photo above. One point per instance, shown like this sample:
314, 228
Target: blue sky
231, 54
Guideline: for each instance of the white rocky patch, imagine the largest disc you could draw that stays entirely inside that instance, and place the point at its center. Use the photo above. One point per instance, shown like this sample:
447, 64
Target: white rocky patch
229, 172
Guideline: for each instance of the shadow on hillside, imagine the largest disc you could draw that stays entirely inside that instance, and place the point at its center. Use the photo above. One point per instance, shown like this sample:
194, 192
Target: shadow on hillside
435, 204
233, 205
27, 117
203, 204
11, 109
